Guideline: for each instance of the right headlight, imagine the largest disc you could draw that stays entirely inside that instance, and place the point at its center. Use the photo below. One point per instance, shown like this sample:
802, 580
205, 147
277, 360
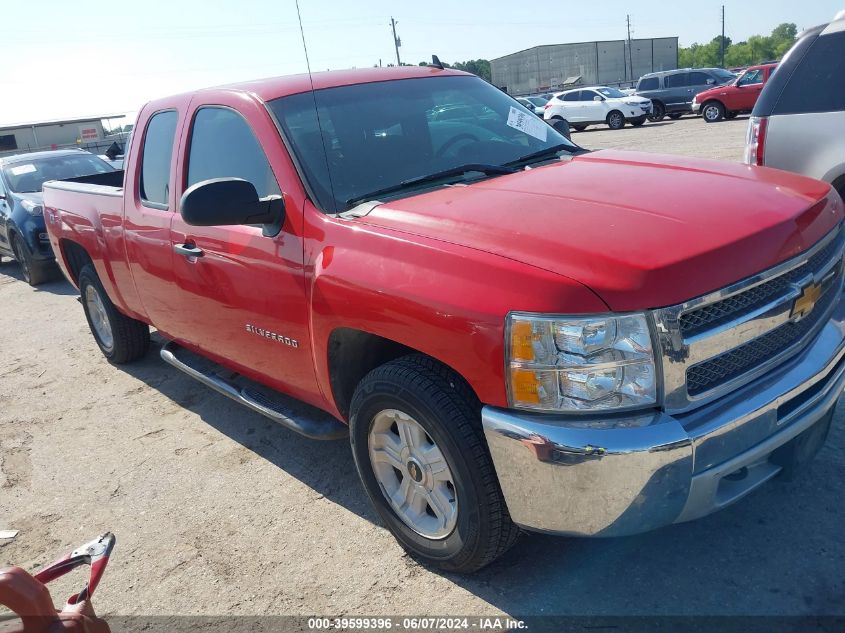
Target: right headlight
580, 364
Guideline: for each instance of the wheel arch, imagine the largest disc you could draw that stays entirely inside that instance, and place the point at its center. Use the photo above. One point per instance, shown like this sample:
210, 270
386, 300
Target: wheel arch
353, 353
74, 257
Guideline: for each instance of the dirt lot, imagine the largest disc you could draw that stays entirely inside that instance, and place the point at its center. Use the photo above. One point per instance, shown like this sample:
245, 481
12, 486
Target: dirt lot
218, 511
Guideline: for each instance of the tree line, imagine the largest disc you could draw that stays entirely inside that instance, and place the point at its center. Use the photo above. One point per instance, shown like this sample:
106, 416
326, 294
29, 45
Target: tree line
754, 50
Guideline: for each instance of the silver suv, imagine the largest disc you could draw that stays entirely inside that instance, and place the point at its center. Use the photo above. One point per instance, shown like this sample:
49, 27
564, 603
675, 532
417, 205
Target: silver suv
798, 121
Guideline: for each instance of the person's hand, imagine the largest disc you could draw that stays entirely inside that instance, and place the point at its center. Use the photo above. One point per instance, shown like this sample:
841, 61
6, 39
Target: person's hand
79, 618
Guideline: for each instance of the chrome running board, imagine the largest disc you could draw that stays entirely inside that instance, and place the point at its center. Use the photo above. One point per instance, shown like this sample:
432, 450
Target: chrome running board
296, 416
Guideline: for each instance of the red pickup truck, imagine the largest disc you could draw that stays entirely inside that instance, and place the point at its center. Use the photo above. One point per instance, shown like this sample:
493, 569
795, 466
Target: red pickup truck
514, 332
726, 102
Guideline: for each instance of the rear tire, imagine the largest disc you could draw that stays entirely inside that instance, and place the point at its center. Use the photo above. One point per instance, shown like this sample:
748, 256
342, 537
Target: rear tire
120, 338
676, 115
579, 127
658, 111
33, 272
430, 411
615, 120
712, 112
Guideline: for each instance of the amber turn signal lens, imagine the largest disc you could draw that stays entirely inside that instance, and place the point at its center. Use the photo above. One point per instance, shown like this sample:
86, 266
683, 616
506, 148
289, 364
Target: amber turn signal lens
525, 386
522, 338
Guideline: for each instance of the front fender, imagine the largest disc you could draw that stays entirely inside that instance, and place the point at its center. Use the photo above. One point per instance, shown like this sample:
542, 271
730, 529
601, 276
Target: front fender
447, 301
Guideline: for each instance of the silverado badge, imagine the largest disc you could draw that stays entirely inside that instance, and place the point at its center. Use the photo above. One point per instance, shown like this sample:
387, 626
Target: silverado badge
806, 302
273, 336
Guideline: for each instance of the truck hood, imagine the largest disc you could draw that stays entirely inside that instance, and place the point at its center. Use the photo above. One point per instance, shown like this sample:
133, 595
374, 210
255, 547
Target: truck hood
641, 230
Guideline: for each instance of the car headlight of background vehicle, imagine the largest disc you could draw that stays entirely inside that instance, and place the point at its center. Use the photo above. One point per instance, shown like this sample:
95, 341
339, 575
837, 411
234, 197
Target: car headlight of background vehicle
580, 364
33, 208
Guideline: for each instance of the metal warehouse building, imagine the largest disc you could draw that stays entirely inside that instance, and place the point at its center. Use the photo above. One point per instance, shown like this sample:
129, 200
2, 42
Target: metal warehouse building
84, 132
550, 67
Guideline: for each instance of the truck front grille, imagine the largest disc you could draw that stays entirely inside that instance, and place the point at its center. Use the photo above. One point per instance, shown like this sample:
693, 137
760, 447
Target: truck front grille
717, 343
731, 365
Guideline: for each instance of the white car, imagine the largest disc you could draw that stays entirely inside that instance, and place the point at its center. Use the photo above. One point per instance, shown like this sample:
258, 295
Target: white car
596, 105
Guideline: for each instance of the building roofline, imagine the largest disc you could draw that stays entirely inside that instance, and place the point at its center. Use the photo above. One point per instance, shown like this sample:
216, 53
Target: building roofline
633, 39
102, 117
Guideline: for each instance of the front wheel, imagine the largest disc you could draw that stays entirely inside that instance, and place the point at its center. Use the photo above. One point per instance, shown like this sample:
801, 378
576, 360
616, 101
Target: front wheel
713, 112
33, 272
421, 455
615, 120
120, 338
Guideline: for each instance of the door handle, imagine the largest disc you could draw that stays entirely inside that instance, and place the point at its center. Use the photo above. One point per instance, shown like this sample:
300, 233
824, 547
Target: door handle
188, 250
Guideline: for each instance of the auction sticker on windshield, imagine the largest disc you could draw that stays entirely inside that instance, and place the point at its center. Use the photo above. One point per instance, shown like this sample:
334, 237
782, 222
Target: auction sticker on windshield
528, 123
23, 169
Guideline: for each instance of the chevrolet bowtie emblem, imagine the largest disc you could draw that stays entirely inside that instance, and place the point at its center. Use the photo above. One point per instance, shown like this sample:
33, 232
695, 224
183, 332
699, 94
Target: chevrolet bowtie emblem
806, 302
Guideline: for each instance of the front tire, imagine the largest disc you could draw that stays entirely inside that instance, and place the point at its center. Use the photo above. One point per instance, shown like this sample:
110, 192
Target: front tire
33, 273
712, 112
615, 120
421, 455
120, 338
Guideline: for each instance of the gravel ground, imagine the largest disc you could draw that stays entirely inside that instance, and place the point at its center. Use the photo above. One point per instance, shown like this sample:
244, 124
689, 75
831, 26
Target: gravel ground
218, 511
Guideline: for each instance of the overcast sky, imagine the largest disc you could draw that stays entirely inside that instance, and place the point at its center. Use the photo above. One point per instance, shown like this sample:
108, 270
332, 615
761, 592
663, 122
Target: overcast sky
64, 58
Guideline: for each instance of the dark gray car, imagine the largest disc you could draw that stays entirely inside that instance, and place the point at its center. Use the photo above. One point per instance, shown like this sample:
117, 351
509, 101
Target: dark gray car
671, 91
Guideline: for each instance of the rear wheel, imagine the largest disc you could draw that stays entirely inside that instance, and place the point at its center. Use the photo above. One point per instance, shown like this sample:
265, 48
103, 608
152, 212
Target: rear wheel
33, 272
421, 455
120, 338
676, 115
579, 127
615, 120
658, 111
713, 111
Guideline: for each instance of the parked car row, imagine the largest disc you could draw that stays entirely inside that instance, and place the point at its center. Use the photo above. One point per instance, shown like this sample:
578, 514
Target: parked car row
23, 235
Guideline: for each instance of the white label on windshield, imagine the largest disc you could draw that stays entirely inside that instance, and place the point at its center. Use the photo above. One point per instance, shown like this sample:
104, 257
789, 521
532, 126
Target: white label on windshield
23, 169
531, 124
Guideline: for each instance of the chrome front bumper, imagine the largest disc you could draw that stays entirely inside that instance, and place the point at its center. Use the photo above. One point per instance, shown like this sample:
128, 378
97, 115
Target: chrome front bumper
630, 474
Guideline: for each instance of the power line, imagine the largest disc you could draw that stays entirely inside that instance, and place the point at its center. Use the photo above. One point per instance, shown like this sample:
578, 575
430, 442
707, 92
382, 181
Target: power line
396, 41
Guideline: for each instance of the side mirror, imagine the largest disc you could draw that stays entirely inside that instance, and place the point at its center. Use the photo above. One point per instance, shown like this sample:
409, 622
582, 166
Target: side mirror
711, 82
598, 98
231, 201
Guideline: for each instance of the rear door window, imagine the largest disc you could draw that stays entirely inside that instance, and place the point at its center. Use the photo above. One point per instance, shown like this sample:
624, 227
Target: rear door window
155, 163
751, 77
572, 96
700, 79
818, 83
678, 80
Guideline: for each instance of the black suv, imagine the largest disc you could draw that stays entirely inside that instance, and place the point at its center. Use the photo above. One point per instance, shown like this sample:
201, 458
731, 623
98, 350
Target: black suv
671, 91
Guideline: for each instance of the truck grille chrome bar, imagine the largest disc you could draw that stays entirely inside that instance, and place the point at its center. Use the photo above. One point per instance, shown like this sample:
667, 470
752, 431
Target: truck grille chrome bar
723, 340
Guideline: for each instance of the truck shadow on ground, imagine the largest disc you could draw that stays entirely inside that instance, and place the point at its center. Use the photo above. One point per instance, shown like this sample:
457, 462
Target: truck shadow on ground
779, 551
326, 467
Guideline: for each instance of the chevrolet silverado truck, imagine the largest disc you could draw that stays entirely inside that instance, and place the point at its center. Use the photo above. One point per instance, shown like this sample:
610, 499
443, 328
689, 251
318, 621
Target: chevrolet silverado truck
514, 332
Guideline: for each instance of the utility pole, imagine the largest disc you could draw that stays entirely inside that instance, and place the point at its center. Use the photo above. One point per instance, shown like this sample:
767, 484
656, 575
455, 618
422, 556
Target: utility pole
630, 51
722, 42
396, 41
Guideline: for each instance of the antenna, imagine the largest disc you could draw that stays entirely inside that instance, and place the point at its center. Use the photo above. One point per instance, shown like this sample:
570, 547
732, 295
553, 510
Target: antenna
314, 97
435, 61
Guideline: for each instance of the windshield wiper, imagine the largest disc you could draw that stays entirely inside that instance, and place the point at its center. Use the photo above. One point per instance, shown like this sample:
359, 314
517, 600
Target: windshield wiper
554, 149
489, 170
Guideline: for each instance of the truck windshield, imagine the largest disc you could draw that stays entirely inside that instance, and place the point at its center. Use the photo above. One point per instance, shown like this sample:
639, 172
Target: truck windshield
376, 136
27, 176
